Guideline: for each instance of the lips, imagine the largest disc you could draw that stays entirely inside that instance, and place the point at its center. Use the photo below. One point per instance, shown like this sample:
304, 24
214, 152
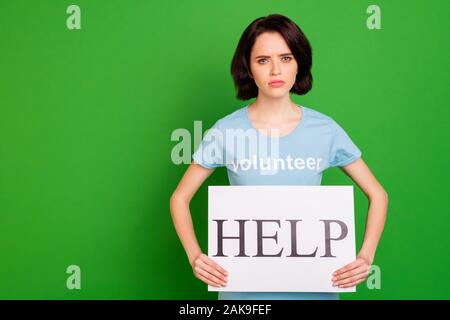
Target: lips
276, 82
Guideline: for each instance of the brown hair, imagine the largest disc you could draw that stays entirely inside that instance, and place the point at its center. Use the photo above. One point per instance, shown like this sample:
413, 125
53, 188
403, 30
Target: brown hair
295, 39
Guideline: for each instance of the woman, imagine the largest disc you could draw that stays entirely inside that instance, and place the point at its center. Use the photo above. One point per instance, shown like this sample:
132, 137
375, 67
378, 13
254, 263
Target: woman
273, 59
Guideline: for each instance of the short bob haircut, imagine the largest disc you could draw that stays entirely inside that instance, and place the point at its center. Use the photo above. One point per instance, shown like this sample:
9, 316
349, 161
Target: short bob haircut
295, 39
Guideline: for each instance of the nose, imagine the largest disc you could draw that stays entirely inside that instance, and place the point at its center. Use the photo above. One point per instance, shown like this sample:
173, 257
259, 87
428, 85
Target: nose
275, 68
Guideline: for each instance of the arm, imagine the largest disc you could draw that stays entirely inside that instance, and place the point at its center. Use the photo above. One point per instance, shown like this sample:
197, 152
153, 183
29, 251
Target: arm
357, 271
203, 267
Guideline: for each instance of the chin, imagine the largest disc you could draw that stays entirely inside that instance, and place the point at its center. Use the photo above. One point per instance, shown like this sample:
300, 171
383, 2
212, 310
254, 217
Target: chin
277, 94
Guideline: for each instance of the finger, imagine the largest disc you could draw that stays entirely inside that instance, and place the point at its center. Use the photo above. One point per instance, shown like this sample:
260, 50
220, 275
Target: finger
348, 267
209, 276
214, 264
352, 284
350, 273
213, 271
207, 281
352, 279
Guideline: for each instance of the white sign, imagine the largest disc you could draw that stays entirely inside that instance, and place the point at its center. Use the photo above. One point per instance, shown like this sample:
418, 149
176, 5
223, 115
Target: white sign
281, 238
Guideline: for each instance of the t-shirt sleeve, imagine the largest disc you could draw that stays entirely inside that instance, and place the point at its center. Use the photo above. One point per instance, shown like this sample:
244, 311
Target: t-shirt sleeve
343, 150
210, 152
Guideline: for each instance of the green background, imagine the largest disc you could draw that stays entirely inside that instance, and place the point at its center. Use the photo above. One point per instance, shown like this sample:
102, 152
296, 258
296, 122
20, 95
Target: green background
86, 118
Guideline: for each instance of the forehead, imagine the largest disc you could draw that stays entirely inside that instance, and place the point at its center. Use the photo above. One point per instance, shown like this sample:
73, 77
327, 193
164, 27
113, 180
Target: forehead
270, 43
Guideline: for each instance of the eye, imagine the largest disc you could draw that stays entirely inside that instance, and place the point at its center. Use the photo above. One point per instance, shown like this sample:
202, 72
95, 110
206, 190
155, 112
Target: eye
286, 57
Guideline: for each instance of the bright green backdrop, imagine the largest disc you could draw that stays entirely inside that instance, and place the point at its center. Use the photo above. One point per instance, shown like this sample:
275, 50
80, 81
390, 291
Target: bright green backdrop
86, 118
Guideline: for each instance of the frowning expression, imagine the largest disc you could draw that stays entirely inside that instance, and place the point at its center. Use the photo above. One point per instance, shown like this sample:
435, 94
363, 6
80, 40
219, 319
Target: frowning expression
272, 65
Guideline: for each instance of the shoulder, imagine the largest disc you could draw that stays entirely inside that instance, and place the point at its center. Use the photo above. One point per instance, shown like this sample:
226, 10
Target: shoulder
319, 120
317, 116
235, 119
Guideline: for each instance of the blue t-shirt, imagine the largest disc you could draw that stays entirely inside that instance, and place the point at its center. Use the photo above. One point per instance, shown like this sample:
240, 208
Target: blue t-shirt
253, 157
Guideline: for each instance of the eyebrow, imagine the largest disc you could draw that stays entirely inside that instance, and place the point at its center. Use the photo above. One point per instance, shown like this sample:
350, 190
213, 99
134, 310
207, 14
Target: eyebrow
283, 54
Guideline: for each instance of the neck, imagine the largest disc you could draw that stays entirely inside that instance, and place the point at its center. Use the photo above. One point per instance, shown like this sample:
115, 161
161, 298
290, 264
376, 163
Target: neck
274, 110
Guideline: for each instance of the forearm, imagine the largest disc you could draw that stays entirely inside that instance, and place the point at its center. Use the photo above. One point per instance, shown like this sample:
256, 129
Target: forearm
182, 221
376, 218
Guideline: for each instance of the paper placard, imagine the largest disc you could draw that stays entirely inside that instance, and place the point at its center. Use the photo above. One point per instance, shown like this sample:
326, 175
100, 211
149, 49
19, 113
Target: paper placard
281, 238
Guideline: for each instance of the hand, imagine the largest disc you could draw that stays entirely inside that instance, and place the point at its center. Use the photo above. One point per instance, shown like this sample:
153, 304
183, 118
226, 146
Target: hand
209, 271
353, 273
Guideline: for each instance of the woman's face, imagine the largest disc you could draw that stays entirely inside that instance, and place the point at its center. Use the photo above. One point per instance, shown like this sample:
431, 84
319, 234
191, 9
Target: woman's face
271, 59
